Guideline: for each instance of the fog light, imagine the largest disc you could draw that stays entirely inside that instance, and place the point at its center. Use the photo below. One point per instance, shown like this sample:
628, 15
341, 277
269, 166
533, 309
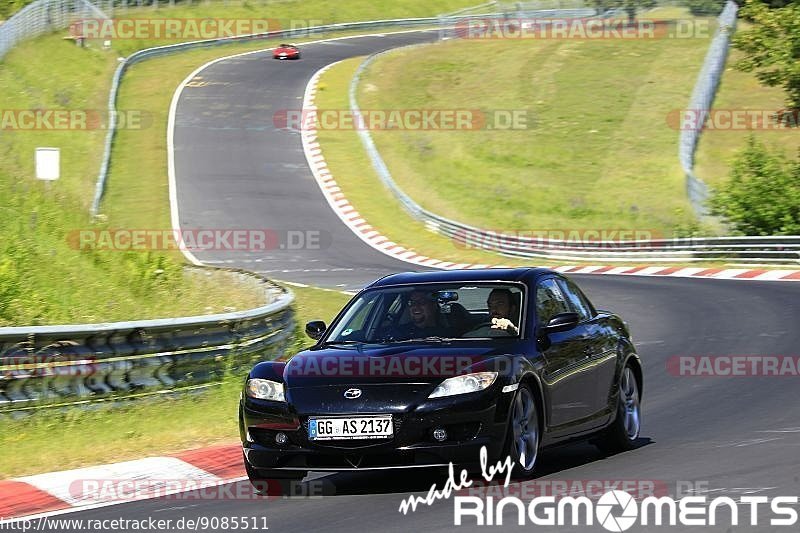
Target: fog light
281, 438
440, 434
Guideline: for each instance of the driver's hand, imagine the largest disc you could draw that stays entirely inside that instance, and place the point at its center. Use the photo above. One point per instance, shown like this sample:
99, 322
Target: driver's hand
504, 324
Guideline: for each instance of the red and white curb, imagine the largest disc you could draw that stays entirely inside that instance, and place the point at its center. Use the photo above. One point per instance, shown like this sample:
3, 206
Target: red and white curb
370, 235
101, 486
336, 199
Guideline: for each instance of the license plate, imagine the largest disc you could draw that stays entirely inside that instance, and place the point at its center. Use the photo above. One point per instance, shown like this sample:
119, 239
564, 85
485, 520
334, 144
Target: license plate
362, 427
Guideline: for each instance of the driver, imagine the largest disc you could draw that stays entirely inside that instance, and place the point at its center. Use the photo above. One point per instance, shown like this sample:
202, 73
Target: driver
426, 320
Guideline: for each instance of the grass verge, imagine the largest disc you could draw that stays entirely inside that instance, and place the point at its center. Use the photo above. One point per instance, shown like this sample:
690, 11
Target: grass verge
44, 278
598, 153
145, 427
353, 172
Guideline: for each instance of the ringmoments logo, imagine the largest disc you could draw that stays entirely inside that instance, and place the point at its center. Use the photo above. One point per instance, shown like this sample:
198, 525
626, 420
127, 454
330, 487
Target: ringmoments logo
605, 510
618, 511
615, 510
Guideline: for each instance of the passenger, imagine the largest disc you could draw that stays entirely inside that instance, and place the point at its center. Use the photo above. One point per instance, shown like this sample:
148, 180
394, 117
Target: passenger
503, 310
503, 313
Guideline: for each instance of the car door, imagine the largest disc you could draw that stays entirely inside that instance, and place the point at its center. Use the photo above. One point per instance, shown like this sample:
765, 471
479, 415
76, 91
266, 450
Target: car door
568, 375
600, 347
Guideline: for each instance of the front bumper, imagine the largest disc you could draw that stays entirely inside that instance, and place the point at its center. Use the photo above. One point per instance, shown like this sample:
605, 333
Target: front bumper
470, 425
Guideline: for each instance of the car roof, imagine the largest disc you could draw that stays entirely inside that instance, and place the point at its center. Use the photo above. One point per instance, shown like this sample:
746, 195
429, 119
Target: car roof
460, 276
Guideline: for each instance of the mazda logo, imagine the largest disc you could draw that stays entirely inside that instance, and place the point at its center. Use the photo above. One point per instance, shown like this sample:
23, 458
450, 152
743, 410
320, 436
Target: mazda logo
352, 394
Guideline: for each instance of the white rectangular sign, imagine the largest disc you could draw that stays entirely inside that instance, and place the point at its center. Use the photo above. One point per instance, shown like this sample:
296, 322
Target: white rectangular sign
48, 162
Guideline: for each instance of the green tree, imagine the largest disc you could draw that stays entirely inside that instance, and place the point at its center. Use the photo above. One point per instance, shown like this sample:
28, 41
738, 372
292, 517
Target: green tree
777, 3
772, 46
762, 196
9, 7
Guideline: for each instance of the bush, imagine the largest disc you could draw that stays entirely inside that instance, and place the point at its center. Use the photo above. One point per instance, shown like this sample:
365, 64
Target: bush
701, 8
762, 196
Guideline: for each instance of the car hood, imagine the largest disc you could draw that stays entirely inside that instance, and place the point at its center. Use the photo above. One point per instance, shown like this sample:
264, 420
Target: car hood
389, 379
399, 363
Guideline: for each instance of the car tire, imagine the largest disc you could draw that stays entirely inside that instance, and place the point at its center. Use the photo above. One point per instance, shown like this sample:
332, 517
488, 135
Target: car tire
524, 433
623, 433
279, 484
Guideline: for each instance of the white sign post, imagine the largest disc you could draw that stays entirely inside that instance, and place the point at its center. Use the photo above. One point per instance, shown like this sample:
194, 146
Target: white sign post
48, 165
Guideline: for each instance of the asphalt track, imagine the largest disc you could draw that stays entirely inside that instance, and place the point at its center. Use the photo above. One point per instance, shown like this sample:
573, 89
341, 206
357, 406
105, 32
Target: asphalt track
727, 436
236, 168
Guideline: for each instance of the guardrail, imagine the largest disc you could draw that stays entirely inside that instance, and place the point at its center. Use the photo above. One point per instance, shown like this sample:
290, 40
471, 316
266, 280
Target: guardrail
47, 366
700, 102
746, 250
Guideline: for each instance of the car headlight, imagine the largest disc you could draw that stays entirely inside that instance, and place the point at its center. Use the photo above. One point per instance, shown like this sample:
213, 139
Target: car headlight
464, 384
264, 389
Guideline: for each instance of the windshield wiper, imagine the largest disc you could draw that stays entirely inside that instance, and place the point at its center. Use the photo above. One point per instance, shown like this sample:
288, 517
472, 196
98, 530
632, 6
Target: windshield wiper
429, 339
346, 343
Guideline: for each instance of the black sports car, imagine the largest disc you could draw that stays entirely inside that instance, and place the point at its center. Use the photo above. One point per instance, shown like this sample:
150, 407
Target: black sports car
424, 369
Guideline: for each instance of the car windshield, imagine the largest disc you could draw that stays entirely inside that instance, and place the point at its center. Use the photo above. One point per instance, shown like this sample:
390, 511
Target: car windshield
431, 312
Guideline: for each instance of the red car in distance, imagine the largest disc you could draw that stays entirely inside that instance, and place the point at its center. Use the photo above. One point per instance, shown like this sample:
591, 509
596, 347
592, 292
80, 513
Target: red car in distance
286, 51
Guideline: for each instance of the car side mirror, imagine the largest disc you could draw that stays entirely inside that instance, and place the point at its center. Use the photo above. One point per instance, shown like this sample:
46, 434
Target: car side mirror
315, 329
562, 322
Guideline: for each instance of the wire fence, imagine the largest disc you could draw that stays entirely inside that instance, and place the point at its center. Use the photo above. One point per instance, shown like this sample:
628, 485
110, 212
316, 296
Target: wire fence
44, 16
702, 97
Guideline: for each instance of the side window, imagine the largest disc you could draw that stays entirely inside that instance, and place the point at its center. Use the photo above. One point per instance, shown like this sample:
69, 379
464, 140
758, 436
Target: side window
576, 299
549, 301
